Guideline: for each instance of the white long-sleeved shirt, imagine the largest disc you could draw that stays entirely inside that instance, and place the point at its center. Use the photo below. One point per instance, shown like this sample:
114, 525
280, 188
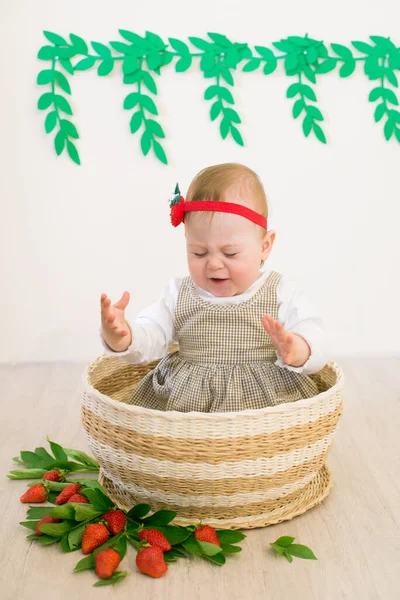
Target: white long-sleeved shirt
153, 330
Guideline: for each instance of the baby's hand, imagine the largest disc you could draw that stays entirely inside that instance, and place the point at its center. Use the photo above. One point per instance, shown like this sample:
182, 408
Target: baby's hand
292, 348
114, 328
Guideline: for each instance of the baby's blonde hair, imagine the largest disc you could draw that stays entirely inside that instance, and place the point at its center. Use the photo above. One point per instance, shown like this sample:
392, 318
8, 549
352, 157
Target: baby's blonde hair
212, 183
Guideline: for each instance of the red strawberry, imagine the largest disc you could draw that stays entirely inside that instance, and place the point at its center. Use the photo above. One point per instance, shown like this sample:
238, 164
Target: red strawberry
67, 492
207, 534
52, 476
78, 498
155, 538
36, 493
150, 561
107, 561
46, 519
115, 520
95, 535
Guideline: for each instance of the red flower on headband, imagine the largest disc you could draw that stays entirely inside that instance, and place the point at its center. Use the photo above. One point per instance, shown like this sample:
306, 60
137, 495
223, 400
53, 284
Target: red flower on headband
177, 212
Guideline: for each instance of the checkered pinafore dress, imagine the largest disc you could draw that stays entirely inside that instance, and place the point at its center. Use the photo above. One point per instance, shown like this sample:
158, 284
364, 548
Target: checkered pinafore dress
225, 360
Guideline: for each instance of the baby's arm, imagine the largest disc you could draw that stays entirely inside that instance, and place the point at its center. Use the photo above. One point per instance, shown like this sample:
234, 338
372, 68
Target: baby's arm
151, 333
298, 334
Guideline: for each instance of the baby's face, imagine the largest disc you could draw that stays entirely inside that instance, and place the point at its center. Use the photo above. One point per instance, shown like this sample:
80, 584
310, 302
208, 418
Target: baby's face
225, 253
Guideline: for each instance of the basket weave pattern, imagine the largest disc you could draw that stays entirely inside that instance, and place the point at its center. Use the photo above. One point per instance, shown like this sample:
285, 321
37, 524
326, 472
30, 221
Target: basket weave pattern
232, 470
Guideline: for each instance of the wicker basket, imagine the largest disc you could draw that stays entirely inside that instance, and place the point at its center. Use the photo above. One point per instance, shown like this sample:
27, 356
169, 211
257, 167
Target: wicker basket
231, 470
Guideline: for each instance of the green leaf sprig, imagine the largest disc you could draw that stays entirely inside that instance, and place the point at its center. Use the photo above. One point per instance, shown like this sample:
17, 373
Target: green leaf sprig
285, 547
75, 516
38, 462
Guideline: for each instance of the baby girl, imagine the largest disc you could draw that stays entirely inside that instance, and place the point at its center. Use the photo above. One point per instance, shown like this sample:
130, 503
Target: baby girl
248, 337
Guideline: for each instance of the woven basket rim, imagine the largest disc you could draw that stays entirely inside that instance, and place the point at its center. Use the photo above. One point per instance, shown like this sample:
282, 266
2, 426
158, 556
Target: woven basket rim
173, 415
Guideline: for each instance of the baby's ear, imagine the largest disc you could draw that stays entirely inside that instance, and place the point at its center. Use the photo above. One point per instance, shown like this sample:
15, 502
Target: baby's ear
267, 243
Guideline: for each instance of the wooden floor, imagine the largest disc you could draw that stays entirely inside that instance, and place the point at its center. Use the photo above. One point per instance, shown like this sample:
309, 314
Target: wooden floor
355, 532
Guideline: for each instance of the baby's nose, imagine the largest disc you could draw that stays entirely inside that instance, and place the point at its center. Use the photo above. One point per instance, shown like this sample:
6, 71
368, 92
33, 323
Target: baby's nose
215, 263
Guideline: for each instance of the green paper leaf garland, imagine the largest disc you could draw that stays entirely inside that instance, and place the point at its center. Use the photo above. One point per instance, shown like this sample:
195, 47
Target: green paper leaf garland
141, 59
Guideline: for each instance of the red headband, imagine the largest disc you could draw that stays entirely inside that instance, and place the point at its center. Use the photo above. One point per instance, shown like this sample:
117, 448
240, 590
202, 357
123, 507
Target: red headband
179, 207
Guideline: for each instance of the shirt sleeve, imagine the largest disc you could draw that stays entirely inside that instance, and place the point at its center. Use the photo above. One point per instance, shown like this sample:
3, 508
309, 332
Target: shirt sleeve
153, 330
297, 314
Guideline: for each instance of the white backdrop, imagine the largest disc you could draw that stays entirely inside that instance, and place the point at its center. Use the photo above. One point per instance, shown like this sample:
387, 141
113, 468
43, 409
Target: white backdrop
69, 233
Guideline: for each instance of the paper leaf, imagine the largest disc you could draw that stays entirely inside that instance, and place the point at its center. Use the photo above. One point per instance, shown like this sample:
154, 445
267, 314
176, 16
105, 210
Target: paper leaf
136, 121
180, 47
130, 65
131, 100
62, 104
224, 128
66, 64
232, 115
297, 108
215, 110
326, 66
391, 77
59, 142
54, 38
69, 128
227, 76
78, 43
47, 52
105, 67
45, 77
201, 44
220, 39
44, 102
62, 81
319, 133
121, 47
388, 129
379, 112
342, 51
363, 47
314, 113
155, 128
155, 41
308, 92
307, 126
85, 64
183, 64
132, 37
347, 68
226, 95
101, 49
145, 143
149, 82
236, 135
252, 65
148, 104
159, 152
285, 46
49, 124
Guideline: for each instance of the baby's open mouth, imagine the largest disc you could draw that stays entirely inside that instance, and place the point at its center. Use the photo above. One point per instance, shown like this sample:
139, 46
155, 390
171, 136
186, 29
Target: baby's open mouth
217, 280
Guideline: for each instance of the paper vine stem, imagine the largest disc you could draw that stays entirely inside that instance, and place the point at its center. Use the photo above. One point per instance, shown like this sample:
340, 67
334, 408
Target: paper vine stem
143, 57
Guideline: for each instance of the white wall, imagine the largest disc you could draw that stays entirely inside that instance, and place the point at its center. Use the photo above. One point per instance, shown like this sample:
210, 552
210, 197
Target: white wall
68, 233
